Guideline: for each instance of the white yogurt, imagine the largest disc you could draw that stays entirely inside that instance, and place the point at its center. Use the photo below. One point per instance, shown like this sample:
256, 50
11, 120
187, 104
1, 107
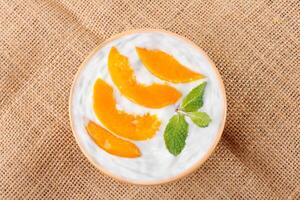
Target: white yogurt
156, 163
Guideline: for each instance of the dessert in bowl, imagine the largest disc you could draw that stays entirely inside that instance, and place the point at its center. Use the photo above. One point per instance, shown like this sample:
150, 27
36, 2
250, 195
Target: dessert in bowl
147, 107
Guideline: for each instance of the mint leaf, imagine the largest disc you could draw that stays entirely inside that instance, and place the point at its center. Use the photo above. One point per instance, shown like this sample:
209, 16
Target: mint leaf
194, 100
175, 134
201, 119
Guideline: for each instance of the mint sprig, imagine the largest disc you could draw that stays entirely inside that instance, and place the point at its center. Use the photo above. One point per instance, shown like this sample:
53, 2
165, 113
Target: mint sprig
176, 130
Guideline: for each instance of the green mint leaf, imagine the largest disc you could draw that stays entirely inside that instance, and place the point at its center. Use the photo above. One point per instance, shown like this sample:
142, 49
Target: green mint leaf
175, 134
201, 119
194, 100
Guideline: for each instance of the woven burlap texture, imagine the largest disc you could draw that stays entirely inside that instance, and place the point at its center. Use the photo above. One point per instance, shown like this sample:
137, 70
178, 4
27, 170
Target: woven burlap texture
255, 45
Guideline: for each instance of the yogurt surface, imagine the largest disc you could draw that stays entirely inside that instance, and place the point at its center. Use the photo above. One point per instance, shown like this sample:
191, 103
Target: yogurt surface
156, 163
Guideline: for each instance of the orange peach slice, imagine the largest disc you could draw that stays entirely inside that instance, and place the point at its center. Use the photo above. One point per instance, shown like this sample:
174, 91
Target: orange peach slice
151, 96
135, 127
166, 67
110, 143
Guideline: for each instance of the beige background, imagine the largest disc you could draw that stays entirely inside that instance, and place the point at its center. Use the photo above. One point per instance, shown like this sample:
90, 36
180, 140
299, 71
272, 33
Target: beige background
255, 45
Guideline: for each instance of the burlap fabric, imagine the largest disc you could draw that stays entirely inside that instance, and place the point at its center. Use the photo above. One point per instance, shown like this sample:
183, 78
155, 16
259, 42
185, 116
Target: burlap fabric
255, 45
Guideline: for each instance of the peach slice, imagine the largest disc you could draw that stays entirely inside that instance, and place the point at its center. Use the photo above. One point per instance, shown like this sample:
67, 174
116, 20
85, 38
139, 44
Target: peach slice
151, 96
166, 67
135, 127
110, 143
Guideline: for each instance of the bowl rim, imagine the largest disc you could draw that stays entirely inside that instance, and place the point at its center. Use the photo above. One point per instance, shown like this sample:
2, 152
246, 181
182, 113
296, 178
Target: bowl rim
184, 173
